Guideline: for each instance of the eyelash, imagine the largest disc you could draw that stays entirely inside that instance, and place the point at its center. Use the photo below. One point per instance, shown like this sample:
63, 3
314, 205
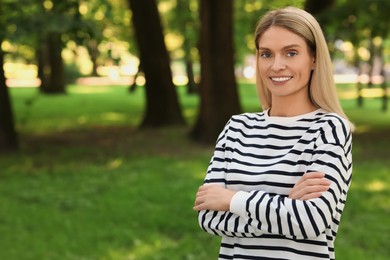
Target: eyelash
267, 54
292, 52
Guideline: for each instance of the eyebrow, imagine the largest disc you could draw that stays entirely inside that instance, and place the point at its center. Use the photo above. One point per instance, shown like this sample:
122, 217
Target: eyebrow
291, 46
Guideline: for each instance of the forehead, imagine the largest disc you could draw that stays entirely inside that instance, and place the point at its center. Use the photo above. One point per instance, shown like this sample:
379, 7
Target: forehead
277, 38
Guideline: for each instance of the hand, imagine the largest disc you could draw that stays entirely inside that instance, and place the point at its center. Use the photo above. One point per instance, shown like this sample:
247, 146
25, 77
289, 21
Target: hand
213, 197
310, 186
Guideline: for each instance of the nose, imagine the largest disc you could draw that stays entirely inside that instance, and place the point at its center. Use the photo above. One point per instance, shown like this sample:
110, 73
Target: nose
278, 64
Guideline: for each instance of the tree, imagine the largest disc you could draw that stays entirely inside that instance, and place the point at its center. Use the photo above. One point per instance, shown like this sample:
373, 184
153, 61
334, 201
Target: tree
162, 104
218, 88
183, 21
56, 72
63, 17
351, 21
317, 6
102, 21
8, 134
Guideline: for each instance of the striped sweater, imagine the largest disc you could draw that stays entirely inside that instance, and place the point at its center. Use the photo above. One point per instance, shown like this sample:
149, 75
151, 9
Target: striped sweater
262, 157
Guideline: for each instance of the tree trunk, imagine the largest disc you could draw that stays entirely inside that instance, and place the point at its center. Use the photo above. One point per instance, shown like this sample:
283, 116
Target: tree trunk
371, 60
162, 104
191, 85
56, 72
8, 136
187, 26
43, 66
385, 98
384, 83
359, 85
133, 86
218, 88
93, 54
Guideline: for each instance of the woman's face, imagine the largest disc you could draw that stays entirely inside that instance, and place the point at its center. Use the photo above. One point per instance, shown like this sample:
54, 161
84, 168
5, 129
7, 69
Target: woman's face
284, 64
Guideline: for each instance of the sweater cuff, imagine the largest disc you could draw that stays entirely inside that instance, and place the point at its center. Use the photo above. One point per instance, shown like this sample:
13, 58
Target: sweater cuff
238, 203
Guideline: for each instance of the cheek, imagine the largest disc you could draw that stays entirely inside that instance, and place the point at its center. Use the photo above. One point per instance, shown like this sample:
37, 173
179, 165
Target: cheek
305, 69
262, 70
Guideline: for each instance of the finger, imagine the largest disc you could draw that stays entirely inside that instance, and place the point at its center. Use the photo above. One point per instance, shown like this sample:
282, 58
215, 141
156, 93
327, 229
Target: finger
198, 203
309, 190
315, 182
205, 188
200, 193
200, 206
310, 196
307, 181
310, 175
315, 188
314, 174
197, 208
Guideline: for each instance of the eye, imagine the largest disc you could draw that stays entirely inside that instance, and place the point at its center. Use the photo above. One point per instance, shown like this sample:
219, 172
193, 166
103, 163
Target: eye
292, 53
265, 54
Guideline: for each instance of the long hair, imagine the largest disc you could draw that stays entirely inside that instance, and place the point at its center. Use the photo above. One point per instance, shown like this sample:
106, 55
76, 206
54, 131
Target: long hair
322, 86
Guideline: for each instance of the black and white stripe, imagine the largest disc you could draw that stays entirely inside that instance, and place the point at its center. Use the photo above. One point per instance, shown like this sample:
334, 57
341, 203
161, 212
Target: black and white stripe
263, 157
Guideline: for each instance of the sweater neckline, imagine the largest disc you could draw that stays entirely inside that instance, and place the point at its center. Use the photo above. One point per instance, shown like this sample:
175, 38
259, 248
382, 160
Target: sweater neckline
286, 119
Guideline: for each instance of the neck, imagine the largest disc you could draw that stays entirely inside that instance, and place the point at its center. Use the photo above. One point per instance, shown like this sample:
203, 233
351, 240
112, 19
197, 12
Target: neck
290, 109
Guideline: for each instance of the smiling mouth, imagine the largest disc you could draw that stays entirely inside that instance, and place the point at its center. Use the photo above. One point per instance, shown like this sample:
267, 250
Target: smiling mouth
280, 79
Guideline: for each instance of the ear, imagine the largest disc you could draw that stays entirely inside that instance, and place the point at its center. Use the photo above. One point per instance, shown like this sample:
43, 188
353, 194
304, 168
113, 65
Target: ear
313, 64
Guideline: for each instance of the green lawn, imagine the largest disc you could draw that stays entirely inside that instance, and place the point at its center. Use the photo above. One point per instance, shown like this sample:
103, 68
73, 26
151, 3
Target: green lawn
87, 184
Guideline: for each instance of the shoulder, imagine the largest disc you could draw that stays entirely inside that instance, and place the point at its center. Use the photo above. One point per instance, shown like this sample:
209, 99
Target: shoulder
239, 123
247, 119
336, 122
334, 128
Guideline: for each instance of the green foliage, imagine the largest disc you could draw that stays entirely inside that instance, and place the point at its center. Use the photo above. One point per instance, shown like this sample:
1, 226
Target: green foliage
88, 185
72, 73
246, 15
352, 21
90, 23
182, 19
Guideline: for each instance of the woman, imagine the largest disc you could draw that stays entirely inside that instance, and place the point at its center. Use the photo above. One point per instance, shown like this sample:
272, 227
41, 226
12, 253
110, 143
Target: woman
278, 180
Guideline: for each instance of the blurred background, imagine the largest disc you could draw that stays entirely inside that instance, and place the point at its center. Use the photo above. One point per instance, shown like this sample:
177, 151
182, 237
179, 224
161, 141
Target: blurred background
109, 110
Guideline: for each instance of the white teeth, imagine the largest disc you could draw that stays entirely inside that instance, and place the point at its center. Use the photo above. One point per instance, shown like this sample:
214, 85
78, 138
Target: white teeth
280, 79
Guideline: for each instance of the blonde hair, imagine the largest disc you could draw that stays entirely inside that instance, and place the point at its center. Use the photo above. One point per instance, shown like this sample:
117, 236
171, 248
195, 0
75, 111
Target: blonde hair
322, 87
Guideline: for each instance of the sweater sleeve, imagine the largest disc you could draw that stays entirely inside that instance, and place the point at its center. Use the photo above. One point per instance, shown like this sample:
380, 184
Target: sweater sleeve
223, 223
277, 214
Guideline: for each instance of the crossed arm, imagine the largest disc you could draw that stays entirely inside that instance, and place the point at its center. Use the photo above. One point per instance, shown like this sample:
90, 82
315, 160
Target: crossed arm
215, 197
313, 205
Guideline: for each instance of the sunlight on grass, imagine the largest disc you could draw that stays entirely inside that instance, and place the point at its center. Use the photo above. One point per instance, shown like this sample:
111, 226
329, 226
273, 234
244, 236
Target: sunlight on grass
113, 116
90, 89
350, 93
148, 250
116, 163
347, 94
373, 92
376, 185
82, 120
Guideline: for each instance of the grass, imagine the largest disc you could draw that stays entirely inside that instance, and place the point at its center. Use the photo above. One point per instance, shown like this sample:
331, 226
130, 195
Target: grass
87, 184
